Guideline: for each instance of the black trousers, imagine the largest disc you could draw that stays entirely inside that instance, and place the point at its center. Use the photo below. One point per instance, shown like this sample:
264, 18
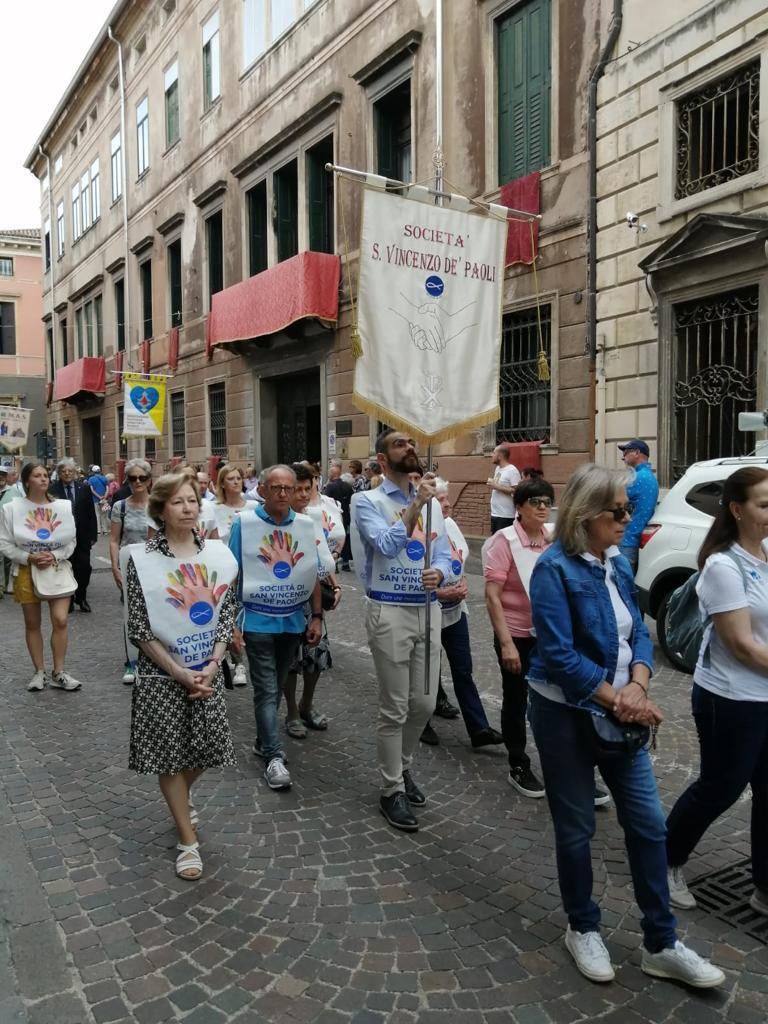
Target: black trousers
80, 559
514, 702
500, 523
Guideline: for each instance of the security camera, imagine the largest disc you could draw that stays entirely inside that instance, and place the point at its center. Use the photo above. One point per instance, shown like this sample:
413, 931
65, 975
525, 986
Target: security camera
632, 219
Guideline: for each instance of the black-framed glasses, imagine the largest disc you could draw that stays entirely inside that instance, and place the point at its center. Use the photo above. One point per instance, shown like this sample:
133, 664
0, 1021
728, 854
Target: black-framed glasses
540, 502
137, 479
621, 511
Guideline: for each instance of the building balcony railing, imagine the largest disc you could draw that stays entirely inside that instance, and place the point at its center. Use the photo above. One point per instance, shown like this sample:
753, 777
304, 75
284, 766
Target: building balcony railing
81, 382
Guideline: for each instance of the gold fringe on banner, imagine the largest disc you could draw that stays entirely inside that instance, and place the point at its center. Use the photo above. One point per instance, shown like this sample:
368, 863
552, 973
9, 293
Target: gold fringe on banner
481, 419
543, 364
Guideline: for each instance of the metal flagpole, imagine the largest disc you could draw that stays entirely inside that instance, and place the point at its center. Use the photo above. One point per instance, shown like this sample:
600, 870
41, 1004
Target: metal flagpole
438, 162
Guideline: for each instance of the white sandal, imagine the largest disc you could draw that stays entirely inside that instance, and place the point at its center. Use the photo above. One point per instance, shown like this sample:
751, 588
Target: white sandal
194, 817
189, 859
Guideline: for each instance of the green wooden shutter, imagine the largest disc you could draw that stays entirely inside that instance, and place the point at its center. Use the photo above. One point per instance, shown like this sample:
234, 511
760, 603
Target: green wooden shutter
257, 228
320, 197
286, 194
524, 89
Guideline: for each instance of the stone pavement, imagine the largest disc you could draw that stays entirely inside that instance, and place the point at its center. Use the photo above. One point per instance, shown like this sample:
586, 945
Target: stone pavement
312, 909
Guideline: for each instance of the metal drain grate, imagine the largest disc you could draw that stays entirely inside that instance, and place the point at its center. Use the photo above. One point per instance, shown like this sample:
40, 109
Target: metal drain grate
726, 893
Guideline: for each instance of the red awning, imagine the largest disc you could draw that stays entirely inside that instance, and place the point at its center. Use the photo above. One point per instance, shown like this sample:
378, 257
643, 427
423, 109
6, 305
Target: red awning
84, 375
304, 286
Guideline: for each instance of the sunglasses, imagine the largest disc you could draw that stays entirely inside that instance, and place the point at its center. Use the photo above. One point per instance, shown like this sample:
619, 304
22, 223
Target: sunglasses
621, 511
137, 479
540, 502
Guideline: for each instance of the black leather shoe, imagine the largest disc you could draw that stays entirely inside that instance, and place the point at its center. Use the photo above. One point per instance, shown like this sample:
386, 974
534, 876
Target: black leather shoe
84, 606
429, 736
397, 811
444, 708
413, 794
486, 738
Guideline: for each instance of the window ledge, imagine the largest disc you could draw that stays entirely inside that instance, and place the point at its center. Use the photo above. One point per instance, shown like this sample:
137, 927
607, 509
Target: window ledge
170, 149
673, 208
143, 175
213, 106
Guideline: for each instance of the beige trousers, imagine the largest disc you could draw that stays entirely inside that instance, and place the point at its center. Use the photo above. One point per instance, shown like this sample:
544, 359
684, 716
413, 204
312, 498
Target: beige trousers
396, 635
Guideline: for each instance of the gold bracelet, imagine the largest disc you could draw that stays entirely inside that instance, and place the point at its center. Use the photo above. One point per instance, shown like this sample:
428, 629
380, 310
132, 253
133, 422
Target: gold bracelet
637, 683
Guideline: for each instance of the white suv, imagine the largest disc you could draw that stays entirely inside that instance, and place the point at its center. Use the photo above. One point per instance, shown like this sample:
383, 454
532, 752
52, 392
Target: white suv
670, 543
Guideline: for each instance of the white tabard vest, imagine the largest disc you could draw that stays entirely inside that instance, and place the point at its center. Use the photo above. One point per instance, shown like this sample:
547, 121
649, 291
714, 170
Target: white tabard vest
42, 527
226, 515
206, 522
459, 552
183, 598
396, 580
326, 563
328, 515
279, 564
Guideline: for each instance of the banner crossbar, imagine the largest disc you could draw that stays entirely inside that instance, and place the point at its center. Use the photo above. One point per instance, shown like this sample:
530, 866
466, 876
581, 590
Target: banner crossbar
380, 181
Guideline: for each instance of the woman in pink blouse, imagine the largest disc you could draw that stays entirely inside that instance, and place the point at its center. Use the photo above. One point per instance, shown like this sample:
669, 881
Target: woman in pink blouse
508, 561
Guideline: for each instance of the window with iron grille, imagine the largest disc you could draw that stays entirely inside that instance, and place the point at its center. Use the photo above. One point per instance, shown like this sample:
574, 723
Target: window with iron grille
150, 449
714, 364
122, 444
178, 425
525, 400
718, 132
67, 439
217, 413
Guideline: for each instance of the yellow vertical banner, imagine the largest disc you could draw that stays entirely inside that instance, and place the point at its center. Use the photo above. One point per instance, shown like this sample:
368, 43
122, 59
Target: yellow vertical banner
144, 404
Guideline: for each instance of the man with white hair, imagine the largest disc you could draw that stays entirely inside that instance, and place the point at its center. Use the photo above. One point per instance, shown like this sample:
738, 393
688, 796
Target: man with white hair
79, 496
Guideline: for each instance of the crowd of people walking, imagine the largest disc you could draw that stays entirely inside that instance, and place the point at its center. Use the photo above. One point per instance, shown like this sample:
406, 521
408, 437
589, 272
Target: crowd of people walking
235, 579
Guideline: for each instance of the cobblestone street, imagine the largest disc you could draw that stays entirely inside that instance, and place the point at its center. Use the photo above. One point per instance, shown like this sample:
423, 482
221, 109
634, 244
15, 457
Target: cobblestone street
311, 908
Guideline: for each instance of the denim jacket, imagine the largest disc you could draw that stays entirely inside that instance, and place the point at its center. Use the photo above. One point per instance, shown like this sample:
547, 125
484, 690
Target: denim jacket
577, 641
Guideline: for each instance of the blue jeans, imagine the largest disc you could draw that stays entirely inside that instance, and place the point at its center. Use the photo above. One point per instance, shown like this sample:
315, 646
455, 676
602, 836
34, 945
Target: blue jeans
568, 754
269, 658
455, 641
733, 744
632, 553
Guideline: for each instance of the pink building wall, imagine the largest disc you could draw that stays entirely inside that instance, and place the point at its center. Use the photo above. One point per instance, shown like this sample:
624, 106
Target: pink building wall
25, 290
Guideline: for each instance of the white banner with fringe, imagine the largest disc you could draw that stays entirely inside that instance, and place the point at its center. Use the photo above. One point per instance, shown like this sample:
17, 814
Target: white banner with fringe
429, 315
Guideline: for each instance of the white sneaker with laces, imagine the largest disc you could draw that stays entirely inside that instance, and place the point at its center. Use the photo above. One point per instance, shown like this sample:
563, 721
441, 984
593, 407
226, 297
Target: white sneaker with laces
240, 678
679, 894
38, 681
277, 775
63, 681
682, 964
590, 955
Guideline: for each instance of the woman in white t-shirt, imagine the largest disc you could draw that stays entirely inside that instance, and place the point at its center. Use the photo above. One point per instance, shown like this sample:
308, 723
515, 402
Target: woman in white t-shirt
730, 691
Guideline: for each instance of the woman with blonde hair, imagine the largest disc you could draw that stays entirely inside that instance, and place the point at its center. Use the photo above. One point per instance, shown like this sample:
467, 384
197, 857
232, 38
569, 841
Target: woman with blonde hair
39, 531
588, 681
230, 502
179, 588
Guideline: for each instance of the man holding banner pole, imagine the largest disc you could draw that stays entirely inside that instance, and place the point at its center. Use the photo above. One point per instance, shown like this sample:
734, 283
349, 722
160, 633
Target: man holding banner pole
389, 547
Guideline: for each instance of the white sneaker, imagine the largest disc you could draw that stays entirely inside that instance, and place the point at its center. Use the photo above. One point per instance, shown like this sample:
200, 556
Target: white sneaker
240, 678
277, 775
682, 964
63, 681
589, 952
129, 677
679, 894
38, 681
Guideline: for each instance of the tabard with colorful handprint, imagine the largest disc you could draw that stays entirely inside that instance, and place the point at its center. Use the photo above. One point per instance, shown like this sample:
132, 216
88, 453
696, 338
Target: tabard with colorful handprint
184, 596
279, 564
43, 527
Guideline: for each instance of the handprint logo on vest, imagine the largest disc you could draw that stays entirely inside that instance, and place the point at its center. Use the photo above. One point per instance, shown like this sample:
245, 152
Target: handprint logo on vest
42, 522
193, 592
280, 552
416, 546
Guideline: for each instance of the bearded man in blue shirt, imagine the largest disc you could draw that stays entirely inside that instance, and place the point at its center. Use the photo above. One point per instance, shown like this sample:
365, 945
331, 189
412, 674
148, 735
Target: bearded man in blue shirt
643, 493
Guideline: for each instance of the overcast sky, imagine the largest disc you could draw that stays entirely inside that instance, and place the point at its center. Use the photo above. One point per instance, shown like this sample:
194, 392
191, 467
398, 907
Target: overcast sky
44, 42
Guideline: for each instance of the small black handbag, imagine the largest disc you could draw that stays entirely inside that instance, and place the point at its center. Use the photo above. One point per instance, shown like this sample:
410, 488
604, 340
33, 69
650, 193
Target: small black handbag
327, 596
615, 737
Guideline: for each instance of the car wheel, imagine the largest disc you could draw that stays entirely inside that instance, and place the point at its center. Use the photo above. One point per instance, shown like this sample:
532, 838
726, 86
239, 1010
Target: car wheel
661, 632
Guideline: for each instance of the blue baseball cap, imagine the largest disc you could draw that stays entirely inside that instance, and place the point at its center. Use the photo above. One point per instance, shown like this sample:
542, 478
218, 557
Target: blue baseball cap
635, 445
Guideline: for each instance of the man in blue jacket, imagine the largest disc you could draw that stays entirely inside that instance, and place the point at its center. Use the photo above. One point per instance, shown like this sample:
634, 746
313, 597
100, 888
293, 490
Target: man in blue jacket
643, 493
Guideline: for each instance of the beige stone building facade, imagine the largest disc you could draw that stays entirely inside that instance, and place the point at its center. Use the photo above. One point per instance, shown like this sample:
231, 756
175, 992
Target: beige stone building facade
683, 194
200, 167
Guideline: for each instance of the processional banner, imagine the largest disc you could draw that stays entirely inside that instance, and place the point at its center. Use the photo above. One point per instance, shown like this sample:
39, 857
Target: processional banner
143, 404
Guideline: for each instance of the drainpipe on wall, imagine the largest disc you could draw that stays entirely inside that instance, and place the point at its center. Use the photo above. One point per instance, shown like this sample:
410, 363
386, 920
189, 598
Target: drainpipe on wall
594, 78
47, 159
124, 176
601, 394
